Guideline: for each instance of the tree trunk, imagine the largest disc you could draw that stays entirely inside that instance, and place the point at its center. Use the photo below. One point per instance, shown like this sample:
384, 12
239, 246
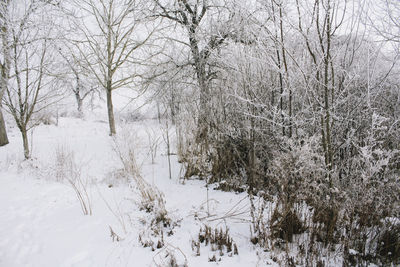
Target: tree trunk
204, 110
5, 66
327, 59
25, 143
252, 151
3, 132
78, 102
110, 110
77, 92
109, 66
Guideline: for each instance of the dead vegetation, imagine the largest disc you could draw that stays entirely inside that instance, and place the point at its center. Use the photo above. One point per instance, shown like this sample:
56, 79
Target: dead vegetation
219, 241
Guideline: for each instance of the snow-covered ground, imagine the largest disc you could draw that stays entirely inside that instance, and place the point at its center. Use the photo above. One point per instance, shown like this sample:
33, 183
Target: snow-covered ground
42, 224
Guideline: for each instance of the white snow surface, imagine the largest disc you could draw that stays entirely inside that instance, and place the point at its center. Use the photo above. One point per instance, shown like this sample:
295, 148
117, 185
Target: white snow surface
41, 222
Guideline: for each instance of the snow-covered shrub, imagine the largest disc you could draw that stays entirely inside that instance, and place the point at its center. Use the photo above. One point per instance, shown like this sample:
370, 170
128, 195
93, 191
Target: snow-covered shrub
194, 160
230, 160
259, 229
192, 153
388, 244
369, 180
152, 239
151, 198
342, 210
296, 176
155, 229
154, 141
285, 224
372, 200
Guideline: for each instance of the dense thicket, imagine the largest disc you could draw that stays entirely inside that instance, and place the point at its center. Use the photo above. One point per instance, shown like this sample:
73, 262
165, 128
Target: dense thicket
302, 104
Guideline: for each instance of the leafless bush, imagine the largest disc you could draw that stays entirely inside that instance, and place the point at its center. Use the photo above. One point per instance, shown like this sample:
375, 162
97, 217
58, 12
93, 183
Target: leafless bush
259, 229
66, 169
154, 141
125, 146
151, 198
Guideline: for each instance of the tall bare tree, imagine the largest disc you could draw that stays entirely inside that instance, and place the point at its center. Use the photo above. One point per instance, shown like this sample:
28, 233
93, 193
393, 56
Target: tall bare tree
29, 90
202, 38
4, 64
324, 24
112, 33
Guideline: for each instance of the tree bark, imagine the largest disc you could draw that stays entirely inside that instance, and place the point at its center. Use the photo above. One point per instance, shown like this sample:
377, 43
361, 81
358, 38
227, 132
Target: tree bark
327, 117
110, 110
79, 102
204, 111
4, 66
25, 143
200, 69
3, 132
77, 92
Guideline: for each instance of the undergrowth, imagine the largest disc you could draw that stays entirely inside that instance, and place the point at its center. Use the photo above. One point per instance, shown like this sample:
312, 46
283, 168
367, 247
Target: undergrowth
219, 241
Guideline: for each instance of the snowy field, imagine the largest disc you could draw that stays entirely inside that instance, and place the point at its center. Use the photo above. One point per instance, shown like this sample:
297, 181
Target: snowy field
41, 220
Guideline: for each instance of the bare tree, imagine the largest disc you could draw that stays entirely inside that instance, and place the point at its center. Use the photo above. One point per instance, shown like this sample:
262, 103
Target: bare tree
324, 23
108, 47
29, 90
202, 42
3, 131
77, 77
4, 64
385, 21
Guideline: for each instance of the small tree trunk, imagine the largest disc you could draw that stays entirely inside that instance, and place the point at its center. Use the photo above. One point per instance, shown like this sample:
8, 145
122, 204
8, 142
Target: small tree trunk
5, 66
25, 143
168, 149
110, 109
3, 132
204, 112
78, 102
158, 112
252, 157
